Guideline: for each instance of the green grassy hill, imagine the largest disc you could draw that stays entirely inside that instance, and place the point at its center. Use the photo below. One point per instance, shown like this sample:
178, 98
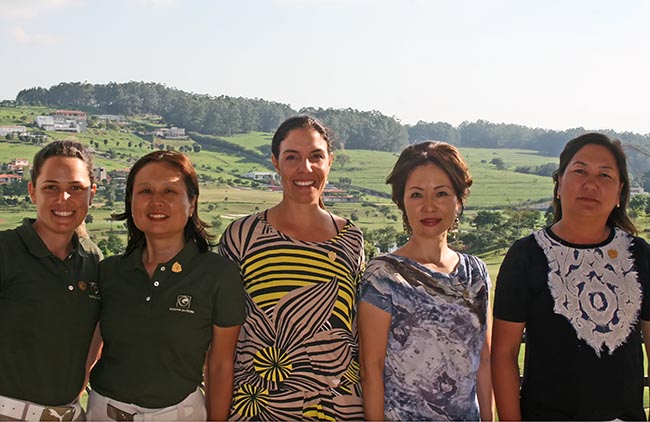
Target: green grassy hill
226, 195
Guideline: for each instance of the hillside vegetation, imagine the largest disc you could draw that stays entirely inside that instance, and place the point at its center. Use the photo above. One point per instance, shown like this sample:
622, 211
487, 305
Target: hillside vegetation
226, 195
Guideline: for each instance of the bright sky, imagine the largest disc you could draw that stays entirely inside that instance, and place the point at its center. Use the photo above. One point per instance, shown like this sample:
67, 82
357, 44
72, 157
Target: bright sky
554, 64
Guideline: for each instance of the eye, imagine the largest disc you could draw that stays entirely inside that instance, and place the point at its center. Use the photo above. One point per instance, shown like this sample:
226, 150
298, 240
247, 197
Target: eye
76, 188
316, 157
170, 190
290, 157
606, 175
145, 191
50, 187
416, 195
579, 171
441, 194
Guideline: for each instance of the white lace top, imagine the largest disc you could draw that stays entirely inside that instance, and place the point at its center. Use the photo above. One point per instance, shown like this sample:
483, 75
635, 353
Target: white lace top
594, 288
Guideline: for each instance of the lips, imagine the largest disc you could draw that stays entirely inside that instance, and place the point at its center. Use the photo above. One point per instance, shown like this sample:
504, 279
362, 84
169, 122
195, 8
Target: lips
588, 199
157, 216
430, 221
304, 183
60, 213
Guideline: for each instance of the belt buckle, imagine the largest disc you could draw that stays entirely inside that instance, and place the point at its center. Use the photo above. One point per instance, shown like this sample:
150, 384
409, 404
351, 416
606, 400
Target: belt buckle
58, 413
117, 414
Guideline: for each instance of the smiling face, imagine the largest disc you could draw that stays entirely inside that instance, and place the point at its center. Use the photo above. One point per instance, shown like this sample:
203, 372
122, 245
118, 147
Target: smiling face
430, 202
160, 205
303, 164
62, 194
590, 186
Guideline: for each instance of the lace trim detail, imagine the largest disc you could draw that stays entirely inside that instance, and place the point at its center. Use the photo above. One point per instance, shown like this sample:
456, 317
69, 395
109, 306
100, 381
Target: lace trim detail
595, 289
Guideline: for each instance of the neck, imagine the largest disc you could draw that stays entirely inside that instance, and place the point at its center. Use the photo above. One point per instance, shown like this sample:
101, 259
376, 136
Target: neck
59, 244
434, 253
581, 232
297, 215
161, 250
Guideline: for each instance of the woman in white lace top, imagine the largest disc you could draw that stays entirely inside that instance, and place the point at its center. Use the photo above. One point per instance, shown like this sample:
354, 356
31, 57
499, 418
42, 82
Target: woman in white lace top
580, 290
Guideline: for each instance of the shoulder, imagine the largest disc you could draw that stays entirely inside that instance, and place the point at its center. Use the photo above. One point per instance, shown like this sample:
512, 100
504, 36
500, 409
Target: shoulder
640, 243
524, 247
90, 248
379, 276
473, 262
114, 261
380, 263
243, 224
7, 236
212, 261
382, 267
640, 250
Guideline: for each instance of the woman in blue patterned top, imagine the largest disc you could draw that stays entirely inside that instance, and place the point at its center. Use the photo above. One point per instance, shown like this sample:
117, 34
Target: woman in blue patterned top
423, 308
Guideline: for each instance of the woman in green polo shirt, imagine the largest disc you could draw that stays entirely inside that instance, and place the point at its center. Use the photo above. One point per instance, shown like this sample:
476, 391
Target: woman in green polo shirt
49, 299
167, 302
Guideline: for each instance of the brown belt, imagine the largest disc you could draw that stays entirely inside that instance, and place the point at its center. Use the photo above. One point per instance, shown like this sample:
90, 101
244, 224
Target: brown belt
118, 414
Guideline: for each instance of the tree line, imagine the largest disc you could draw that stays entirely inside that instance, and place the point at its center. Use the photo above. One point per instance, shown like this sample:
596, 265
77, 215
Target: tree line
353, 129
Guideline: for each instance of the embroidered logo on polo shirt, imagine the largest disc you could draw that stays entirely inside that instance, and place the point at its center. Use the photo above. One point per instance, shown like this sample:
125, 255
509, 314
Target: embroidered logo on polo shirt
93, 290
183, 304
91, 286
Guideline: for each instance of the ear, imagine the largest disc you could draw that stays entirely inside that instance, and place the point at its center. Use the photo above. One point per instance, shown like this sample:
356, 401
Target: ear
193, 206
275, 163
93, 190
32, 192
331, 159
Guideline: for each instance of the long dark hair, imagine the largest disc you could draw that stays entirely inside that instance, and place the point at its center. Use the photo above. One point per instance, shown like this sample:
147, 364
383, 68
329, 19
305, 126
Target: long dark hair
618, 217
195, 229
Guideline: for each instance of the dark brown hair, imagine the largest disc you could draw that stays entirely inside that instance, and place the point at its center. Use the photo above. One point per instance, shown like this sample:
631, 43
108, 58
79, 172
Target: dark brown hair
618, 217
299, 122
195, 229
71, 149
441, 154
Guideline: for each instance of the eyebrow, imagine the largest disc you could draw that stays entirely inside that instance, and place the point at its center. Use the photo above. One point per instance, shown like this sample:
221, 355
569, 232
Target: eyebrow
295, 151
435, 187
78, 182
585, 164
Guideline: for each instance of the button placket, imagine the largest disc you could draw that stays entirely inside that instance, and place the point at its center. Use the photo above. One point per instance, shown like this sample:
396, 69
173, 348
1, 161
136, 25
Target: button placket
158, 277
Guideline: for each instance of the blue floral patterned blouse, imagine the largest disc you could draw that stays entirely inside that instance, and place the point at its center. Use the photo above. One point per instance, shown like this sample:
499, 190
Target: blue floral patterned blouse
438, 326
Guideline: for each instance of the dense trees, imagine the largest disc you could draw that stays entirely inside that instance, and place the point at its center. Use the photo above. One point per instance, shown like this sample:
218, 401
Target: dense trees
429, 131
220, 115
352, 129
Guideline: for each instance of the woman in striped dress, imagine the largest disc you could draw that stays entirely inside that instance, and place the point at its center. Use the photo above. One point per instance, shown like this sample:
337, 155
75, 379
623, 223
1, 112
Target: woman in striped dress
297, 350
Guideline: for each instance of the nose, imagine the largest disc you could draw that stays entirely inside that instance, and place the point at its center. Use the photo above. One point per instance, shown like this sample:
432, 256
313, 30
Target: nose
590, 183
157, 198
305, 165
65, 195
429, 204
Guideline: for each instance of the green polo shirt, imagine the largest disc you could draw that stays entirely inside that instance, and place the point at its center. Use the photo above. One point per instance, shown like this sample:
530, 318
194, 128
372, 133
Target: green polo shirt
48, 312
157, 330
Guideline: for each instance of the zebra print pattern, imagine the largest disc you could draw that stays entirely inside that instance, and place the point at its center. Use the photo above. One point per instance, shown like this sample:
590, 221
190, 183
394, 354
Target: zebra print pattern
297, 351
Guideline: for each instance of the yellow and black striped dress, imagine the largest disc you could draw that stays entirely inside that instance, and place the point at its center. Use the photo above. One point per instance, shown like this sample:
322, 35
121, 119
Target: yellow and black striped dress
297, 350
